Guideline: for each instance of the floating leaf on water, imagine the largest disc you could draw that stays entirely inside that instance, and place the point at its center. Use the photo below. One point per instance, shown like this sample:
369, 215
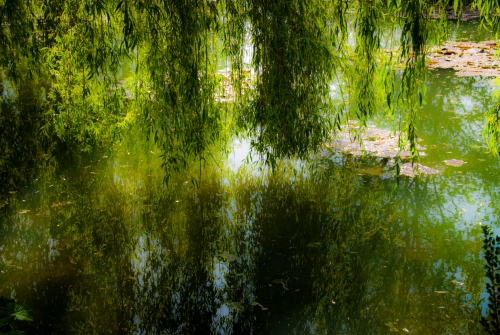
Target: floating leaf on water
441, 292
426, 170
478, 147
282, 282
229, 257
314, 245
454, 162
255, 303
407, 172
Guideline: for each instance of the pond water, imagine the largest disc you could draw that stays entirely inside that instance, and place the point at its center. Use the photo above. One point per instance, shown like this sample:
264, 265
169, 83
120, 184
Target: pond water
95, 243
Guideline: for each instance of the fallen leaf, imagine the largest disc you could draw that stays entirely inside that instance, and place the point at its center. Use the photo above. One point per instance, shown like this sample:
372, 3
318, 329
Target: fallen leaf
229, 257
454, 162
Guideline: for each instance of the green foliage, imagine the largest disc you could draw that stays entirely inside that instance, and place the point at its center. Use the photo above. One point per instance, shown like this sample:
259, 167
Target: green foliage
116, 62
294, 46
490, 18
17, 40
9, 312
491, 323
491, 132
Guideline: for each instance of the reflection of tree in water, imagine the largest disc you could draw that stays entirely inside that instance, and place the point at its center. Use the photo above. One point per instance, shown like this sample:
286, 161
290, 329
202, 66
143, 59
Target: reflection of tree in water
175, 262
309, 232
456, 118
438, 264
101, 241
23, 150
357, 284
287, 253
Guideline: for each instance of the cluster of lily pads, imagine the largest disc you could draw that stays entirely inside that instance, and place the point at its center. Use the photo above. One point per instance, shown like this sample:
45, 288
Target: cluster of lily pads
466, 58
383, 145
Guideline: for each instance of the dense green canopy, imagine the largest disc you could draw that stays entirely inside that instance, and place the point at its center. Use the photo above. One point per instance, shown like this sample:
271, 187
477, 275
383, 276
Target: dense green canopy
108, 64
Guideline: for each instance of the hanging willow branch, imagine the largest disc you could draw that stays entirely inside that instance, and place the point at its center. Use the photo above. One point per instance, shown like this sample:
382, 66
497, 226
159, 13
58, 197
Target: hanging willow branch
112, 63
491, 132
177, 57
295, 59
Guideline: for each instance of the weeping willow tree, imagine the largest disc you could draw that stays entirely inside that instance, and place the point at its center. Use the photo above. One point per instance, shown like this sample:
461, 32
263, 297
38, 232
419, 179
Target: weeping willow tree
114, 63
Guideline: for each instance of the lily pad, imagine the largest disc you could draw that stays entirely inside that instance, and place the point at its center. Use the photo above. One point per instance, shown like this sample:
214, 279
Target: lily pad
411, 171
454, 162
375, 142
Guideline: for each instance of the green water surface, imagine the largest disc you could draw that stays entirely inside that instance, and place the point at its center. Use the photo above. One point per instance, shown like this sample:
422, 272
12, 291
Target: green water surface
95, 243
